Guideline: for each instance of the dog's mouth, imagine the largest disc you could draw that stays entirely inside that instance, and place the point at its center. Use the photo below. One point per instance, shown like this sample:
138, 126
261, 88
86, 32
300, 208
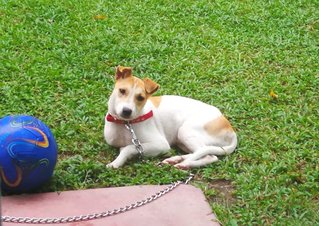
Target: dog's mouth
125, 118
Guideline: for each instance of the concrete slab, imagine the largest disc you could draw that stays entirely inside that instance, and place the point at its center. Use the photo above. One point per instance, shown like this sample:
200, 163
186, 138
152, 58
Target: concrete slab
185, 206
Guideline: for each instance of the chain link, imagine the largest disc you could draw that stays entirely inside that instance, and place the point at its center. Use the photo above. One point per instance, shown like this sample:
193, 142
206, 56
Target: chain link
94, 216
135, 141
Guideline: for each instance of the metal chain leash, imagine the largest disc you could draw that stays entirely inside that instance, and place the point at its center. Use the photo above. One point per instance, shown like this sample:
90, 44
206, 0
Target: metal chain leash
94, 216
135, 141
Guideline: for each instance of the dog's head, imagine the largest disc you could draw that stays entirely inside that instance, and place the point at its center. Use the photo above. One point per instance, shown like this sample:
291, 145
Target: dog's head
130, 94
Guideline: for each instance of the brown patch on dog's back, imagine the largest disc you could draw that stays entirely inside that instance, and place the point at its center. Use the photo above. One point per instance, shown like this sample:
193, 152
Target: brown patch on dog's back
218, 125
156, 101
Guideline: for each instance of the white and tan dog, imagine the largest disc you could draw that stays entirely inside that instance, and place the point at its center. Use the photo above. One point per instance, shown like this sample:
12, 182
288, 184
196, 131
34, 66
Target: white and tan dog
161, 121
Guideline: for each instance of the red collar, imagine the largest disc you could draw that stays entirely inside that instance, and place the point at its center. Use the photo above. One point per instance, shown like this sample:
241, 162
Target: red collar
142, 118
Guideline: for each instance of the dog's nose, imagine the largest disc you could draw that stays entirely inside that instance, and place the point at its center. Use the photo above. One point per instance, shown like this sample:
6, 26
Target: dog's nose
126, 112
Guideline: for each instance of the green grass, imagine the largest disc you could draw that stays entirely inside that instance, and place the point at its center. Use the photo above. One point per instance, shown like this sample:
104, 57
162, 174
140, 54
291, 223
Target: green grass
57, 63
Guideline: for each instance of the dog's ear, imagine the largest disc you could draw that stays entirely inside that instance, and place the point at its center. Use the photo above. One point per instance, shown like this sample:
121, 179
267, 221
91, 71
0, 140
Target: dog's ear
150, 86
123, 72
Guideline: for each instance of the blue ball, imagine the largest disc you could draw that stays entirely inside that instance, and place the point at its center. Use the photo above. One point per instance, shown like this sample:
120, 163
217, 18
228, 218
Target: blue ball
28, 153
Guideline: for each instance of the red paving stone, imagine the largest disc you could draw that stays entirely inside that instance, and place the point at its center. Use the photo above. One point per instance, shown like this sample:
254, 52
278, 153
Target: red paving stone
184, 206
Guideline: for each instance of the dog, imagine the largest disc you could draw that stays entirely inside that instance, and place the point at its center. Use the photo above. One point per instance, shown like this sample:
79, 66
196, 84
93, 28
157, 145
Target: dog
159, 122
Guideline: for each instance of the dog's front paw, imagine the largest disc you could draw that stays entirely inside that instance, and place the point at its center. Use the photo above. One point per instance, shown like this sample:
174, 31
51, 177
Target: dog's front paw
112, 165
182, 166
173, 160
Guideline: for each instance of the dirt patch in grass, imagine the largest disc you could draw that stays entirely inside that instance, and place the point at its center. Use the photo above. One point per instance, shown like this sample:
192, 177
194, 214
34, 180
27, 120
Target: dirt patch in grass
224, 192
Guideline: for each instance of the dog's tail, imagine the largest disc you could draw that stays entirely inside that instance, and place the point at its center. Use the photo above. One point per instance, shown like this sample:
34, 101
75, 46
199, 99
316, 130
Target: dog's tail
231, 147
216, 150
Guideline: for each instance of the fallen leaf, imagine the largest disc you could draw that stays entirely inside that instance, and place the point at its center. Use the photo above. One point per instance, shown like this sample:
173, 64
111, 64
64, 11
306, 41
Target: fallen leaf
100, 17
273, 94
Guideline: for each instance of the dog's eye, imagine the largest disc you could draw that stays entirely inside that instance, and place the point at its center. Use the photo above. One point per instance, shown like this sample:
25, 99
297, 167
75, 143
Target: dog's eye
140, 98
122, 91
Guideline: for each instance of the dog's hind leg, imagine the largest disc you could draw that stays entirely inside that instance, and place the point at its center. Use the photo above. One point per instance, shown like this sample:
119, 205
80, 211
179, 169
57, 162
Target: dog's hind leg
203, 151
203, 156
187, 164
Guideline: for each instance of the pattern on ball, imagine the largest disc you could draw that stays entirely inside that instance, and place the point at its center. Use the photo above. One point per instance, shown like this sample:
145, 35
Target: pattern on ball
28, 153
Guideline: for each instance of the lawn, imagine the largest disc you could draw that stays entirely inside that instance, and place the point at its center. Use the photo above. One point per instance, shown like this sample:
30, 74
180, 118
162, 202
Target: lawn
57, 63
